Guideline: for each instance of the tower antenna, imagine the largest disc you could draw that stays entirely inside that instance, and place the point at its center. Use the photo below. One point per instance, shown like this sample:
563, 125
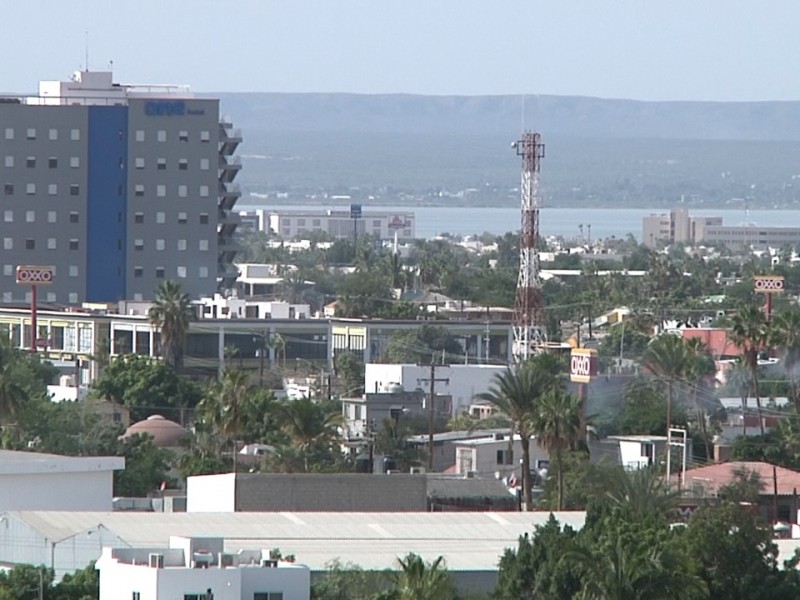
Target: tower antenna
528, 324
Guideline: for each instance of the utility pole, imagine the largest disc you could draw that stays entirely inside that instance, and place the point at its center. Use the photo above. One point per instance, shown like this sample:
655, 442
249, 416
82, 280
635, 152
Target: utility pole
431, 403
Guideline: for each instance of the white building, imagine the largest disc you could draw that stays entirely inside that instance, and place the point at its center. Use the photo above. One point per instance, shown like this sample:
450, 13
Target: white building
196, 568
486, 457
233, 307
338, 224
461, 382
470, 542
38, 481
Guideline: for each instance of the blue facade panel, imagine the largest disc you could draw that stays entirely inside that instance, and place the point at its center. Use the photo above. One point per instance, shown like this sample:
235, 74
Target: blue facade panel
107, 204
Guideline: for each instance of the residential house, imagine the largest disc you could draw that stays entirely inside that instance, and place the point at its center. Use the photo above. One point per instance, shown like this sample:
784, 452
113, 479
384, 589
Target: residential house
777, 498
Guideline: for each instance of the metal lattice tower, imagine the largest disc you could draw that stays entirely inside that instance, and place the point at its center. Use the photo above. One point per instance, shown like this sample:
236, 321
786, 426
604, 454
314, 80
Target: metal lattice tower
529, 331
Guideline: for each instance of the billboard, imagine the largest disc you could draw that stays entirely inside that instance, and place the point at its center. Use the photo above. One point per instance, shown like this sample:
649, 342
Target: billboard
34, 275
768, 284
582, 365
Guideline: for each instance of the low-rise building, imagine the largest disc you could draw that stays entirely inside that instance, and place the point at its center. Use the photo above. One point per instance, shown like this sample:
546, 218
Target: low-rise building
39, 481
471, 543
498, 456
777, 492
461, 382
365, 415
336, 224
233, 307
197, 568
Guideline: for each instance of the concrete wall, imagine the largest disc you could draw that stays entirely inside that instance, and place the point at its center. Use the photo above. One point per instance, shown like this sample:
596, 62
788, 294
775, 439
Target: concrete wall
56, 491
210, 493
261, 492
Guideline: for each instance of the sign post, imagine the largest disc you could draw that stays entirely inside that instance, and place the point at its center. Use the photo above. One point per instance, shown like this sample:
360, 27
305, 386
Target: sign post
355, 215
768, 285
582, 367
34, 275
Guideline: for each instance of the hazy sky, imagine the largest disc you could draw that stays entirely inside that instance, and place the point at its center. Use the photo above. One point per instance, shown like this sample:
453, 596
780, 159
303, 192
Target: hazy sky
639, 49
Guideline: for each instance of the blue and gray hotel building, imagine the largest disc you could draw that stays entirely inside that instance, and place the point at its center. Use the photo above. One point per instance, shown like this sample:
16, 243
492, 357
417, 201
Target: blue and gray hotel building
118, 188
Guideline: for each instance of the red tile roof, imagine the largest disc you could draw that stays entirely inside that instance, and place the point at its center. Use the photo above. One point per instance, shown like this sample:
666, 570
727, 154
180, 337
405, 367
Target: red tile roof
716, 339
723, 474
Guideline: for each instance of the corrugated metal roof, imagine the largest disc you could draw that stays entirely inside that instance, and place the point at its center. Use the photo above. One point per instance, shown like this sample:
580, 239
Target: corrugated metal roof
467, 540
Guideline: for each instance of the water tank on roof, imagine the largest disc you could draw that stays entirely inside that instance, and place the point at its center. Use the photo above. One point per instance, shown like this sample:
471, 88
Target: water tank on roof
394, 388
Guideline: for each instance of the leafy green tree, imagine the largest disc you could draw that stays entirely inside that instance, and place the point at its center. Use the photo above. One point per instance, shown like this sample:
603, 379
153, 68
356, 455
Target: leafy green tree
463, 421
645, 410
364, 294
146, 387
423, 344
349, 371
420, 580
171, 313
734, 554
146, 467
81, 585
24, 582
516, 394
348, 582
536, 569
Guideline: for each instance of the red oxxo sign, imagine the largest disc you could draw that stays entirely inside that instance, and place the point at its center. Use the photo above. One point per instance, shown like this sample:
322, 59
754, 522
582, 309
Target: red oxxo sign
34, 275
582, 364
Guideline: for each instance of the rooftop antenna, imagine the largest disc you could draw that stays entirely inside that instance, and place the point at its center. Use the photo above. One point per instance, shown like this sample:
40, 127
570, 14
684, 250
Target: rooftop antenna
86, 49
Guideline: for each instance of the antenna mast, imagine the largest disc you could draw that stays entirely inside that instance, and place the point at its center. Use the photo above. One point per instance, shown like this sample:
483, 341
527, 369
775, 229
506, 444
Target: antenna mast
528, 325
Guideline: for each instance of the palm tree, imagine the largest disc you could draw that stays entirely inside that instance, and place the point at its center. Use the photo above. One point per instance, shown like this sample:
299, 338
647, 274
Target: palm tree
278, 344
516, 393
667, 358
308, 423
225, 406
701, 367
418, 580
640, 492
751, 333
557, 424
785, 333
738, 378
11, 393
627, 573
171, 312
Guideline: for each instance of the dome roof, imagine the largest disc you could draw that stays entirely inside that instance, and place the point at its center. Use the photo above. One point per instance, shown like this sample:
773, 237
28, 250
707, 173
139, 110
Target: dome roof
165, 433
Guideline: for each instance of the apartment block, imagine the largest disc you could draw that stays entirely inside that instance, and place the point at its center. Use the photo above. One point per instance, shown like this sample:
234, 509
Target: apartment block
118, 188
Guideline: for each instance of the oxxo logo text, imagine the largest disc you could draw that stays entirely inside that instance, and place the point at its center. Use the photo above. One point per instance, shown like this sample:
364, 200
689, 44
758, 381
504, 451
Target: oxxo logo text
768, 284
34, 275
165, 108
582, 365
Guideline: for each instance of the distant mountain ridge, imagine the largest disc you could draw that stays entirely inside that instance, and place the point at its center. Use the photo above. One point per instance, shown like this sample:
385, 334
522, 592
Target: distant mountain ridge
553, 115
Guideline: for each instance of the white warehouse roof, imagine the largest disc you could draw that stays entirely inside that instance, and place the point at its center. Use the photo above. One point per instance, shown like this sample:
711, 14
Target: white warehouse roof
469, 541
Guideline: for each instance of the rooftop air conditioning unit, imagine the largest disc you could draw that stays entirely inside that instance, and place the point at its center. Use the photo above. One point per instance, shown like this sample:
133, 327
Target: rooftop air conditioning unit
156, 561
270, 563
417, 470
